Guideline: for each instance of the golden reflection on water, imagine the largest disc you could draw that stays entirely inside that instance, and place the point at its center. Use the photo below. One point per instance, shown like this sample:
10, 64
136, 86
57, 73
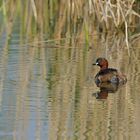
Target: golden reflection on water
52, 93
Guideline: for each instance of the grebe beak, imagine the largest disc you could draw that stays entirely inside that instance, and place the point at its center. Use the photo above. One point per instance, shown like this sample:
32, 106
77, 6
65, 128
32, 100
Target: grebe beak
95, 63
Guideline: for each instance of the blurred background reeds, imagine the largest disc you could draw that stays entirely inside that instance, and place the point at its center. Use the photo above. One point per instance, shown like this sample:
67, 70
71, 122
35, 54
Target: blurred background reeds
60, 20
47, 48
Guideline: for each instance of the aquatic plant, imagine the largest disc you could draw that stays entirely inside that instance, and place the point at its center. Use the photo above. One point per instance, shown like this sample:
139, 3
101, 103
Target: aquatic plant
56, 19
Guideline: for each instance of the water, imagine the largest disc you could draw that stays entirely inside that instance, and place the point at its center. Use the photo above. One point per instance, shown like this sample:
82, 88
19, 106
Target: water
49, 92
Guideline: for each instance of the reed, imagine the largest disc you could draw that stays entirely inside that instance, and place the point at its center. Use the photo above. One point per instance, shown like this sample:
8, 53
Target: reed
58, 19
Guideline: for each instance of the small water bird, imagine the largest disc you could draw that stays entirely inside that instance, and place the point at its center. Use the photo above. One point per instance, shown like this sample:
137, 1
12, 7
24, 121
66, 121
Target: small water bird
106, 74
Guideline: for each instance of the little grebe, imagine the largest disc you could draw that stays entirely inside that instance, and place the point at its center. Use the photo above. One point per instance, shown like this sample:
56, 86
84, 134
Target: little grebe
108, 74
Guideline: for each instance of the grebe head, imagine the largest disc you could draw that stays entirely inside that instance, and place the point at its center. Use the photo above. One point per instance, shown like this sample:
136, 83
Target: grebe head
102, 62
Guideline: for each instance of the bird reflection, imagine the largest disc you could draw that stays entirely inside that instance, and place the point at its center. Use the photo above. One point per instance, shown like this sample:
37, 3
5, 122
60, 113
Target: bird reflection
105, 89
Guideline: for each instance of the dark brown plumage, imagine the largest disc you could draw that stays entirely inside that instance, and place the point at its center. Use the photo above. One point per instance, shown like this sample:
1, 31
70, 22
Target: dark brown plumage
108, 74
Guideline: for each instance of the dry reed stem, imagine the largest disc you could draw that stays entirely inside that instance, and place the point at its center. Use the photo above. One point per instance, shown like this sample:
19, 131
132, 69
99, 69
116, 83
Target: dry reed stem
34, 9
62, 18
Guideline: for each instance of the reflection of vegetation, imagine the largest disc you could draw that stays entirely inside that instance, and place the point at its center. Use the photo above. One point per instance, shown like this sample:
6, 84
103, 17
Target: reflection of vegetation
66, 72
